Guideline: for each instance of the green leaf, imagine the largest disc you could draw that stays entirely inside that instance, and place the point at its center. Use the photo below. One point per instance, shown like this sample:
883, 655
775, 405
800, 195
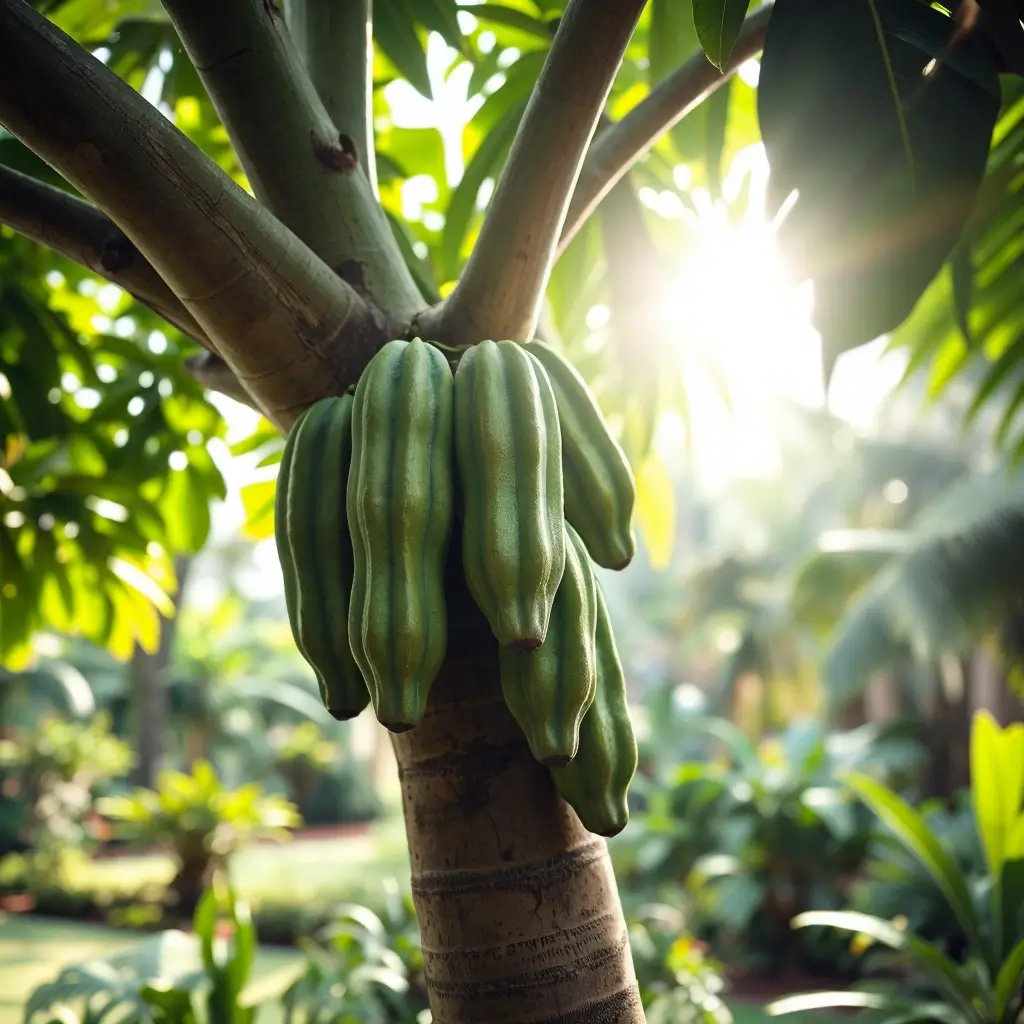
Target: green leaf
718, 23
394, 31
825, 1001
1008, 980
864, 162
419, 268
929, 959
463, 200
512, 18
655, 510
672, 37
912, 831
258, 502
188, 519
962, 281
997, 784
442, 17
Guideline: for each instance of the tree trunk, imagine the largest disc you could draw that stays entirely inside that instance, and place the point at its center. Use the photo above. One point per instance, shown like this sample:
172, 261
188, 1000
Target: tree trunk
518, 908
148, 674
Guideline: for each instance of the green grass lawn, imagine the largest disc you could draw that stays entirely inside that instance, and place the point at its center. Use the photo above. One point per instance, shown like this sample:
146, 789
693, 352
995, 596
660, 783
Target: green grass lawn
308, 872
305, 872
34, 949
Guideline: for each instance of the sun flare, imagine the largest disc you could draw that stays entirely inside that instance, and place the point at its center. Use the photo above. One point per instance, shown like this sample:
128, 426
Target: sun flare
745, 341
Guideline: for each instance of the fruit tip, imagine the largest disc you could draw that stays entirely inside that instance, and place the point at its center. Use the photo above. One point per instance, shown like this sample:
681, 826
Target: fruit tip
524, 644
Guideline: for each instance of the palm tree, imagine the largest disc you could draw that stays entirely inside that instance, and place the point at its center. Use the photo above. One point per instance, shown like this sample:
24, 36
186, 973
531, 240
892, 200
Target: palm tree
913, 604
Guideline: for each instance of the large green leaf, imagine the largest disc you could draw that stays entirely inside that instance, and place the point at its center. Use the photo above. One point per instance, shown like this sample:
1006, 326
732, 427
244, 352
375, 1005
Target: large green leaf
1009, 980
928, 959
913, 833
950, 588
978, 348
997, 784
718, 24
485, 164
872, 167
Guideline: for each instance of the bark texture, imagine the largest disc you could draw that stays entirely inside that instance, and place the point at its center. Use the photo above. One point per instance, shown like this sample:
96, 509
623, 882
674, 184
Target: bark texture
518, 907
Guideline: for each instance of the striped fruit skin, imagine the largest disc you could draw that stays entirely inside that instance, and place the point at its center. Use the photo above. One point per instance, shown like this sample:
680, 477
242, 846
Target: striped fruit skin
596, 782
400, 509
600, 491
509, 453
315, 550
548, 690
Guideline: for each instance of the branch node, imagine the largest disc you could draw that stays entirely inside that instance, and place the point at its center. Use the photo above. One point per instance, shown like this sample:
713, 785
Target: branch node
352, 272
340, 156
117, 253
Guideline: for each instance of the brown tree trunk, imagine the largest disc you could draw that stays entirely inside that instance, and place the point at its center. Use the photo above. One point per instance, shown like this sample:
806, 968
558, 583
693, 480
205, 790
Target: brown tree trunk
148, 674
518, 907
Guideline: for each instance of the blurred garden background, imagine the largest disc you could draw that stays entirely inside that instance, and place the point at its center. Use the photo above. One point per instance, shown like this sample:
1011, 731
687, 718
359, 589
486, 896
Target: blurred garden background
822, 631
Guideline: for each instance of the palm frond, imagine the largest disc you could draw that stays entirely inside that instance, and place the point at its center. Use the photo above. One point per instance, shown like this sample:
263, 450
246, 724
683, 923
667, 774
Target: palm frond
968, 329
844, 562
864, 645
964, 571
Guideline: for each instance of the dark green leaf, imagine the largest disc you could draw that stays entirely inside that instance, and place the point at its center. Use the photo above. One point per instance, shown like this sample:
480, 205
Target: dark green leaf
718, 23
484, 164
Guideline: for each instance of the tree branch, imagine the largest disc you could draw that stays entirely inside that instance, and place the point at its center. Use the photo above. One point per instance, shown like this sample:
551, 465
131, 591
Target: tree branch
288, 327
297, 163
78, 230
336, 44
618, 147
501, 289
212, 372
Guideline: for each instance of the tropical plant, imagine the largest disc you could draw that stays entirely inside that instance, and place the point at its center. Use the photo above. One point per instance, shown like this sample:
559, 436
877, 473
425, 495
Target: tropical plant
757, 834
936, 588
986, 984
325, 783
52, 774
171, 978
203, 823
258, 204
678, 980
897, 886
963, 341
361, 966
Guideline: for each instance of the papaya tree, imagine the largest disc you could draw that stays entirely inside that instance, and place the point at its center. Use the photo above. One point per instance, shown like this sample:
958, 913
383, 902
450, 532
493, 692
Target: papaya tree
235, 169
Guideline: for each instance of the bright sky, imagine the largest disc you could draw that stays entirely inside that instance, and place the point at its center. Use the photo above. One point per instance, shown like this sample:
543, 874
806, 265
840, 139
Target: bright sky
732, 300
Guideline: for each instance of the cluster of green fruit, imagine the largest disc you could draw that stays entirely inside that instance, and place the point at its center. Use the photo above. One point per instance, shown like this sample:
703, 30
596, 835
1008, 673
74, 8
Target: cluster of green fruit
366, 504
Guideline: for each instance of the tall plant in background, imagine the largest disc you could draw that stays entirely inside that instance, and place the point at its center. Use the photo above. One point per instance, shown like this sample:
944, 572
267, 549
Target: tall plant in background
203, 822
291, 289
51, 777
751, 836
987, 984
172, 978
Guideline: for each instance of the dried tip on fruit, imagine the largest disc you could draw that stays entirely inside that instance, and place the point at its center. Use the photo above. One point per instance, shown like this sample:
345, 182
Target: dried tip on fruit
524, 644
399, 727
613, 830
343, 714
556, 761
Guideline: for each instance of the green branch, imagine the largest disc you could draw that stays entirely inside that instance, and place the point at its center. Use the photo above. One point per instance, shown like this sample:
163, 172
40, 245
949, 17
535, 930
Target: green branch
618, 147
288, 327
297, 163
336, 44
501, 289
78, 230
